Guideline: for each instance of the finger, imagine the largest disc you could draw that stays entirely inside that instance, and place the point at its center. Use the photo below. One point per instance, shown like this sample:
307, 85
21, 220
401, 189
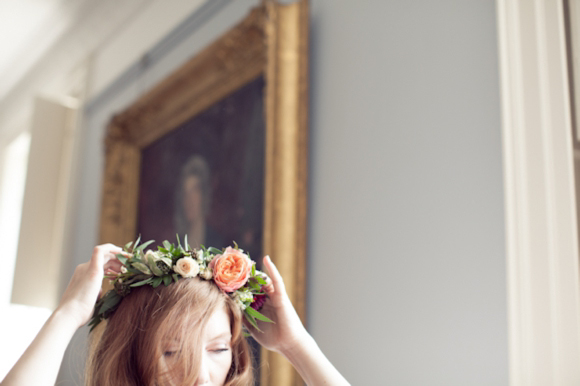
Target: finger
277, 281
113, 264
102, 254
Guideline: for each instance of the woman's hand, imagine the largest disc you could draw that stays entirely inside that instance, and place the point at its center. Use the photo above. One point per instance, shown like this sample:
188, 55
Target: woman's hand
83, 290
287, 330
41, 361
288, 336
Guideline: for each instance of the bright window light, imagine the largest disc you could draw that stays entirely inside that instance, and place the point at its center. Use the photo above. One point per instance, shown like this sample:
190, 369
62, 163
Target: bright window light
18, 324
11, 194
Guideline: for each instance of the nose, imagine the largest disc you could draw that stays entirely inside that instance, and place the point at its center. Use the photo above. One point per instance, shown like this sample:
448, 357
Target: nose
203, 377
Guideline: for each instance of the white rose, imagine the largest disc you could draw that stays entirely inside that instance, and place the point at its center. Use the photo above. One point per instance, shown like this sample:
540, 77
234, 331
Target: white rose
187, 267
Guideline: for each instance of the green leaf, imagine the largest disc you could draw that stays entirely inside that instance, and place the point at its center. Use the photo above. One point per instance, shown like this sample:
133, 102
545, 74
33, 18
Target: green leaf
253, 285
250, 311
252, 321
260, 280
141, 267
157, 281
137, 242
167, 245
145, 245
133, 270
178, 242
110, 300
153, 266
236, 245
139, 284
166, 280
253, 269
128, 245
175, 277
122, 259
215, 251
187, 244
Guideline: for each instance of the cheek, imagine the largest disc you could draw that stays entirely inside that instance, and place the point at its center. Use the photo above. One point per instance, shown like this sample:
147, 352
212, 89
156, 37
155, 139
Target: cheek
220, 365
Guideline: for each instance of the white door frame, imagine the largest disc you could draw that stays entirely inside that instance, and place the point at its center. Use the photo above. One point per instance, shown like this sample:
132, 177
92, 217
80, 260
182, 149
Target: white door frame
540, 203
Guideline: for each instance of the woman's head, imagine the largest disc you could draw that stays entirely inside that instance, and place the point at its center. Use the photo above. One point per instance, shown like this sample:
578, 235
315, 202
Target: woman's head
185, 333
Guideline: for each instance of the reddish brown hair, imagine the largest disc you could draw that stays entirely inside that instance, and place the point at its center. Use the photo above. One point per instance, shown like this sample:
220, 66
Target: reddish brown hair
129, 350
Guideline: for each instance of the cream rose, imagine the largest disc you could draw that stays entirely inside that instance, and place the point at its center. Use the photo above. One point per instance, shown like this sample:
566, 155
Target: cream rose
187, 267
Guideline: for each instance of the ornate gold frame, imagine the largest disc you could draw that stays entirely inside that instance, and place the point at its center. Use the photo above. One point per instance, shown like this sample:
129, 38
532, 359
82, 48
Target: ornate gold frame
271, 41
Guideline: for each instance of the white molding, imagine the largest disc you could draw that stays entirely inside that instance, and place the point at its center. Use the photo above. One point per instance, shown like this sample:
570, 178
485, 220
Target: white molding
540, 203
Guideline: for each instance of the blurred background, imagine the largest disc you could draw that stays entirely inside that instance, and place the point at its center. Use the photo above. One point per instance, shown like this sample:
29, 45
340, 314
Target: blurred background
407, 257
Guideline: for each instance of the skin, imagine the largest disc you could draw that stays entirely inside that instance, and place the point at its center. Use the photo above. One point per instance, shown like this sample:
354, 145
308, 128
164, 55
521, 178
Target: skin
216, 354
40, 363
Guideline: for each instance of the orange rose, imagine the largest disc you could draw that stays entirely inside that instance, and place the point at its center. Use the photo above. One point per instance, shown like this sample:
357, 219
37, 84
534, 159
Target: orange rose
231, 270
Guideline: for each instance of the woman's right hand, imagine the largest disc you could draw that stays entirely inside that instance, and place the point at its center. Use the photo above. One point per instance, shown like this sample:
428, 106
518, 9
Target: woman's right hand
83, 290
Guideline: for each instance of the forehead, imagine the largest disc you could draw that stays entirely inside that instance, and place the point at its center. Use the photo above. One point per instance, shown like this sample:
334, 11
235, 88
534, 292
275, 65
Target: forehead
218, 325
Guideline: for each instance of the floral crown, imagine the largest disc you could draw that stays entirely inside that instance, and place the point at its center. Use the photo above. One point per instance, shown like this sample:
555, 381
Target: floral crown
230, 269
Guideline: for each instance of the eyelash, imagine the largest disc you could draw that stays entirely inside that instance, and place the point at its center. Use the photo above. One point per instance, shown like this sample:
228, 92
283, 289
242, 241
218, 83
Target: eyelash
220, 350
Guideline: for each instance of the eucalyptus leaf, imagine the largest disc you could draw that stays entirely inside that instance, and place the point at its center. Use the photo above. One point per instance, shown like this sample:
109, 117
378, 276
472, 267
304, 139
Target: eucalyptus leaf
153, 265
141, 267
166, 280
157, 281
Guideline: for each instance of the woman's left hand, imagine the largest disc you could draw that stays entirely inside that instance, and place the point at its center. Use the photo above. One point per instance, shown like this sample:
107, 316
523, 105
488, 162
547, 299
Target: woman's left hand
287, 329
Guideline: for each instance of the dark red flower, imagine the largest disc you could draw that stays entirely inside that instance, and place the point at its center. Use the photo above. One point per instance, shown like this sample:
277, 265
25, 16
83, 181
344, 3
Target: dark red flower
258, 302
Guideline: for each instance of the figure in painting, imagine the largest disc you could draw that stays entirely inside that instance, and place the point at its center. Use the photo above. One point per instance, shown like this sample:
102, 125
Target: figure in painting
193, 202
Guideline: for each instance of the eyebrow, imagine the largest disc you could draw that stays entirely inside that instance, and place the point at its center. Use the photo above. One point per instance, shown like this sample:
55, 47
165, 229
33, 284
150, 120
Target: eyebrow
222, 335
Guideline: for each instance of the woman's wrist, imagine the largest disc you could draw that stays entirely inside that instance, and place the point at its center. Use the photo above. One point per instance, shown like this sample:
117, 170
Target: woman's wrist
301, 341
69, 316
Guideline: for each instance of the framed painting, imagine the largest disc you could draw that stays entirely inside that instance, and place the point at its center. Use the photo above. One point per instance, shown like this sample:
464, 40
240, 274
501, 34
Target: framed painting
219, 151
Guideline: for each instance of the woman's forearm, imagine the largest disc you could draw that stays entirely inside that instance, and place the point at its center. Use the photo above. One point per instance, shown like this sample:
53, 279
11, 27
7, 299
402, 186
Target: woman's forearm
40, 363
312, 365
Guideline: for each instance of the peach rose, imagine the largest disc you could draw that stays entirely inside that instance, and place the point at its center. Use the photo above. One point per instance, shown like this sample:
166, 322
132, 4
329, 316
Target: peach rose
231, 270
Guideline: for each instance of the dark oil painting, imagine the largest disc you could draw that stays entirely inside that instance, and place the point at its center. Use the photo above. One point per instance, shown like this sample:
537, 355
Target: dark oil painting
206, 177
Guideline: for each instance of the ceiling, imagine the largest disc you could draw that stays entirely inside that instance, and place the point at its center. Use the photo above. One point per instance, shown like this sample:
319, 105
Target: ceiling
28, 28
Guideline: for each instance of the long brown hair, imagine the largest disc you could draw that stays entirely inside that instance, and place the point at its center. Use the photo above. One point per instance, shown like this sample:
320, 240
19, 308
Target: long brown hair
129, 350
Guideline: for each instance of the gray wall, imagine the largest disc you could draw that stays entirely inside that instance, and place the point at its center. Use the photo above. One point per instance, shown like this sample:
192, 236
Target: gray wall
407, 256
407, 262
